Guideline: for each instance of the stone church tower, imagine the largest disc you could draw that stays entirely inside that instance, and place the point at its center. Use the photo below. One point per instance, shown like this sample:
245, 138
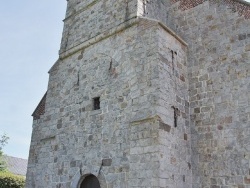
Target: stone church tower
147, 93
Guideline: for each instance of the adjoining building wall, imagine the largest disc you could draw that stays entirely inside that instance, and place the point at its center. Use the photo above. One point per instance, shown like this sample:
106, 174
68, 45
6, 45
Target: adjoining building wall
218, 37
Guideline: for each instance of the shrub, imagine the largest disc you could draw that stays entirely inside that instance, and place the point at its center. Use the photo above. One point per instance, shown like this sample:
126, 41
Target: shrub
8, 180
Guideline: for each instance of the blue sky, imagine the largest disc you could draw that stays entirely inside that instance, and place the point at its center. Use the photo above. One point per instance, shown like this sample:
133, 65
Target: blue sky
30, 37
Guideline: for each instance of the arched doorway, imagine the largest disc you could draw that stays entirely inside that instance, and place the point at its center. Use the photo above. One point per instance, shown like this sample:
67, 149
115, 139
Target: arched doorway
90, 182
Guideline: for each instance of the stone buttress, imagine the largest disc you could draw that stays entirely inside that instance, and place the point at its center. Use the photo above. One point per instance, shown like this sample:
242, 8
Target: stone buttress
218, 37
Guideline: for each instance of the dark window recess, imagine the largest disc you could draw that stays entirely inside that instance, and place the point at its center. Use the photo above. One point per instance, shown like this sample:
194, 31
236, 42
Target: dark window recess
96, 102
176, 113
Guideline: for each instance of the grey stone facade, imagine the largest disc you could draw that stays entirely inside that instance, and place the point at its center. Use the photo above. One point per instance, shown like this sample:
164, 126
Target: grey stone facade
173, 81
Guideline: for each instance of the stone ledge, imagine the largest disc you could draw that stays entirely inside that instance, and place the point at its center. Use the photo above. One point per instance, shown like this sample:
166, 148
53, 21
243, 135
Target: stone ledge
48, 138
166, 28
139, 121
98, 38
115, 30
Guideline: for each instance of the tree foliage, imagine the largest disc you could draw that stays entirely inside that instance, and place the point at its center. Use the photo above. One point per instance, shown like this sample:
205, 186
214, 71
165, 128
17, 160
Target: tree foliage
3, 141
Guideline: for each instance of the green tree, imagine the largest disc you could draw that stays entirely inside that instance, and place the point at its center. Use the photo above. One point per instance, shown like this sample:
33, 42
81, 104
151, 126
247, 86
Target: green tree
3, 141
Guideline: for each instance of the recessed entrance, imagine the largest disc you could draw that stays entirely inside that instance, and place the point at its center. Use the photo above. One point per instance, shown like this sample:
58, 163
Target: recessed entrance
90, 182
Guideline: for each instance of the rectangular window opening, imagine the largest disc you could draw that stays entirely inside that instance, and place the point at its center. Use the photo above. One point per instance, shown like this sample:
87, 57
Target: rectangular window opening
96, 103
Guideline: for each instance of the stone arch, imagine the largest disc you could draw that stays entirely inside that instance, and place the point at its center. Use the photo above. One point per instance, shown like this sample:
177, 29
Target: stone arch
78, 179
89, 181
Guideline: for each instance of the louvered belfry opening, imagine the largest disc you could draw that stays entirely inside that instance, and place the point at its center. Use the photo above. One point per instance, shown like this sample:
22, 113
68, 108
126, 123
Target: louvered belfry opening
90, 182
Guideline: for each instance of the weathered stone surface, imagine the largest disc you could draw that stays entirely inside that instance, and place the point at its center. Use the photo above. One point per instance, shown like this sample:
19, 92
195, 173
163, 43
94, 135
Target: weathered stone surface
142, 71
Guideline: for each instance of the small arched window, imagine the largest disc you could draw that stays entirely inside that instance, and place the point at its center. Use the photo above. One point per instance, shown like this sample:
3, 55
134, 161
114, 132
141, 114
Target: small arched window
90, 182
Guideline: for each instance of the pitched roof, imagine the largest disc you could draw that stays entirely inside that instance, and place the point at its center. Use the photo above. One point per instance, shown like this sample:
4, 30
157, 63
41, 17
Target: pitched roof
240, 6
40, 109
16, 165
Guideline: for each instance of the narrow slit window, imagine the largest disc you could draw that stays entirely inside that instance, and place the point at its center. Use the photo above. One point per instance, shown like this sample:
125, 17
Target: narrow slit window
96, 102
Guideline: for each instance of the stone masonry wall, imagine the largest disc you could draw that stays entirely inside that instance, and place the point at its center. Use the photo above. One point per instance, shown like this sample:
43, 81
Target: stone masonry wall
86, 19
219, 87
124, 142
142, 71
165, 154
217, 33
81, 138
173, 93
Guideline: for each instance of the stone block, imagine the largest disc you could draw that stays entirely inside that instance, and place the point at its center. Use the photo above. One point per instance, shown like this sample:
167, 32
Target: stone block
164, 126
106, 162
